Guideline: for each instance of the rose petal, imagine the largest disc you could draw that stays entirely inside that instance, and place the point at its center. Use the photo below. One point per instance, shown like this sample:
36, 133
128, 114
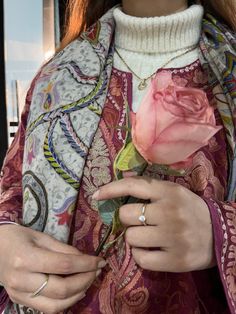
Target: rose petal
197, 132
172, 122
143, 133
164, 118
178, 142
162, 80
187, 163
132, 116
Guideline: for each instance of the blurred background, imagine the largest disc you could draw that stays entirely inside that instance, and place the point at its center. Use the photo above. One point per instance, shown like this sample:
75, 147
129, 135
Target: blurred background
30, 31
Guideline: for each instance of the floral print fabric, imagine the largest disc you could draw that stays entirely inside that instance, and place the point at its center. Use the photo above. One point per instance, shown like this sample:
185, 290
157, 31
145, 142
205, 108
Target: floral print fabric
124, 287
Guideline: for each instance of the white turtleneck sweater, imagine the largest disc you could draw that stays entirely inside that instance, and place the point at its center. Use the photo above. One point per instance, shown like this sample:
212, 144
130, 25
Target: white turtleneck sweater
146, 44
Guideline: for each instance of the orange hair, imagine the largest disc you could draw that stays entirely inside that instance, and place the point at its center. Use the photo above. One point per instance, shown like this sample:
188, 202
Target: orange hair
83, 13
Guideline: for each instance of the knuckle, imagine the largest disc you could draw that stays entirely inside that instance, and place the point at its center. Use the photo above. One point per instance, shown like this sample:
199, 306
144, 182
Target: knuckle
123, 213
142, 261
89, 262
18, 262
130, 182
74, 250
66, 265
93, 263
178, 216
128, 235
62, 293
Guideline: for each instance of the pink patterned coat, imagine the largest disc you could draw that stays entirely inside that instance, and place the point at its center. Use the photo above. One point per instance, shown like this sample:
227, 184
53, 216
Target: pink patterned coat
124, 287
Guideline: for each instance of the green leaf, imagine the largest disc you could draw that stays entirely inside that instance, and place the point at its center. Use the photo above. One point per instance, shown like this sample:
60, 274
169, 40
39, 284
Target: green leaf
167, 170
111, 243
129, 158
107, 210
116, 223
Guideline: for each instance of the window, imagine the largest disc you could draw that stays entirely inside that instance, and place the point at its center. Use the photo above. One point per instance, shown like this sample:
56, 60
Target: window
30, 34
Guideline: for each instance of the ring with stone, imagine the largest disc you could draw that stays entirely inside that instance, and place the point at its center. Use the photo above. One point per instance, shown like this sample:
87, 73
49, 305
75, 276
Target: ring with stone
142, 217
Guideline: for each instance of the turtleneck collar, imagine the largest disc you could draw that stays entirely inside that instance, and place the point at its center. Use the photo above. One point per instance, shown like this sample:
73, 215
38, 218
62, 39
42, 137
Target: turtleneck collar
158, 34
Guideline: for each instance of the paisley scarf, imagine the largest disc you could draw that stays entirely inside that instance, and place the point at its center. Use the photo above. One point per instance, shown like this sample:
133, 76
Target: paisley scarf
67, 105
218, 55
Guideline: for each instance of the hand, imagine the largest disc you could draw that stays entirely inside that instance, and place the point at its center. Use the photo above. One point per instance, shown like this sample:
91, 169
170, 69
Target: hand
178, 230
27, 255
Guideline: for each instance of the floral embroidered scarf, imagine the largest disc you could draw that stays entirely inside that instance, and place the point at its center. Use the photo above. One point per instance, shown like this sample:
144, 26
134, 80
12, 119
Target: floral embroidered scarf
66, 108
218, 54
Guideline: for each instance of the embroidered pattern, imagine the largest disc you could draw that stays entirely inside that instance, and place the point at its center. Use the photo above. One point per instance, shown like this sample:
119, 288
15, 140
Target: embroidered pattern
35, 188
125, 288
79, 88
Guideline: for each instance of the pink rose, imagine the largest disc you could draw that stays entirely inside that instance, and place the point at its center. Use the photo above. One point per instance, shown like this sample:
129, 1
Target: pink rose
172, 122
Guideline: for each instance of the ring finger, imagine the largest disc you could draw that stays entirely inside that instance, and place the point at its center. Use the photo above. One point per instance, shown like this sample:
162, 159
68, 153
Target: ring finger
44, 304
129, 214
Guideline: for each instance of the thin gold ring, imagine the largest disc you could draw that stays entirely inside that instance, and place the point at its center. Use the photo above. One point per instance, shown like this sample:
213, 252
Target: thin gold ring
37, 292
142, 217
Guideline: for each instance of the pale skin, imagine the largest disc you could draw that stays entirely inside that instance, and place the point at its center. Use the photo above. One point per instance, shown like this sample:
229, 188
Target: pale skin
179, 226
150, 8
27, 255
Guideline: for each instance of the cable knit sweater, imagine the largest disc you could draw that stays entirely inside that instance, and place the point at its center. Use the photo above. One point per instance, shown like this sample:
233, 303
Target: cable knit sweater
146, 44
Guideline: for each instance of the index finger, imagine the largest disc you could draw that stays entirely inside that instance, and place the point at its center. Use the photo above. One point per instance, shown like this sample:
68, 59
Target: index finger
139, 187
50, 262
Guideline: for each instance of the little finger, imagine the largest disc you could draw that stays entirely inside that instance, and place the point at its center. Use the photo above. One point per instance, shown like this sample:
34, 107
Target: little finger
44, 304
159, 260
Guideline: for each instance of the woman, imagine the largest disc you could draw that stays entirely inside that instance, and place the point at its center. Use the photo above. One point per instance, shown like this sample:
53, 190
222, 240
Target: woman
179, 254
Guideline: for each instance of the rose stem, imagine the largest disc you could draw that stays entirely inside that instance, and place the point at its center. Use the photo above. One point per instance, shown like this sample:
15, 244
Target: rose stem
103, 241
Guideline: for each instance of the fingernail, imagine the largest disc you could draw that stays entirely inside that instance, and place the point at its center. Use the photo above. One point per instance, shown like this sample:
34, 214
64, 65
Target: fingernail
102, 264
98, 272
127, 174
95, 195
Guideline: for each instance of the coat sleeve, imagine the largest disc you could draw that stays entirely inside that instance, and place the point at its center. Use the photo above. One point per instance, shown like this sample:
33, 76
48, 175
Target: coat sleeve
11, 177
11, 174
11, 180
223, 216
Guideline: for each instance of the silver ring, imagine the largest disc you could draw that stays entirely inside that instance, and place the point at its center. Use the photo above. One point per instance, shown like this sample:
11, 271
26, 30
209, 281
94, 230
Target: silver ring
142, 217
37, 292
